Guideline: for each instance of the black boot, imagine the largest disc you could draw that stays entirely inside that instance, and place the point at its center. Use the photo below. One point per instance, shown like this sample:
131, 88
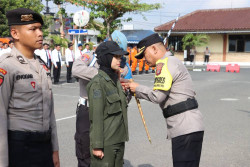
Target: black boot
146, 72
140, 72
134, 73
153, 71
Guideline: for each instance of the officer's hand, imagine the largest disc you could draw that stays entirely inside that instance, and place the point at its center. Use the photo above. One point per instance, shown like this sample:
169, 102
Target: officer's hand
133, 86
67, 65
56, 159
56, 67
98, 153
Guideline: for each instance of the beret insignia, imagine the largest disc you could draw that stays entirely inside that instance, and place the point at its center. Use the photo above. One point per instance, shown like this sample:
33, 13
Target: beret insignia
27, 17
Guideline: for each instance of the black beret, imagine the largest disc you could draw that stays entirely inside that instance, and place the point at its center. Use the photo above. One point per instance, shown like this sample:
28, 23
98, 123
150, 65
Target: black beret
145, 42
110, 47
23, 16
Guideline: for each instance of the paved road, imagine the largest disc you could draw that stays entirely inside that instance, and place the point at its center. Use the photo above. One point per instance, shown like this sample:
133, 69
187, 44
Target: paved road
224, 100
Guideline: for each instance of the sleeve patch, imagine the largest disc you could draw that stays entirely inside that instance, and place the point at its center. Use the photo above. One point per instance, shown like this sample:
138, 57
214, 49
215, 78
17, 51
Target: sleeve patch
4, 72
1, 80
97, 94
85, 57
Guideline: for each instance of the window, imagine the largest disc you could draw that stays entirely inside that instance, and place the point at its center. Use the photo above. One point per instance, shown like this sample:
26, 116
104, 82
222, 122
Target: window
232, 45
239, 43
176, 41
247, 46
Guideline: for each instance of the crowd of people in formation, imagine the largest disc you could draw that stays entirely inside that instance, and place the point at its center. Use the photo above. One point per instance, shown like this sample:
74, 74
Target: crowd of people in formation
133, 62
28, 131
6, 47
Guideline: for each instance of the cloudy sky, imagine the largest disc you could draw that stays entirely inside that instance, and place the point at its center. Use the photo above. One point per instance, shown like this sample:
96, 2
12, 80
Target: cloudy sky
169, 11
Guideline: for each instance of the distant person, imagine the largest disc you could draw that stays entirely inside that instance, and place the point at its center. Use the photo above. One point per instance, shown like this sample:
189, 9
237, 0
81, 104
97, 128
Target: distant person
86, 50
207, 55
11, 45
56, 59
192, 54
172, 50
5, 49
79, 51
45, 54
1, 45
69, 59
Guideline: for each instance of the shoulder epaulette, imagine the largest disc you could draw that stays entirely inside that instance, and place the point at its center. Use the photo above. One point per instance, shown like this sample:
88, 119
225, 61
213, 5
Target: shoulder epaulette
5, 56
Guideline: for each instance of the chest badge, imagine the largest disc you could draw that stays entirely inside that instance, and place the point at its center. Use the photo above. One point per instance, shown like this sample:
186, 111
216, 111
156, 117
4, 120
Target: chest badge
33, 84
20, 59
159, 68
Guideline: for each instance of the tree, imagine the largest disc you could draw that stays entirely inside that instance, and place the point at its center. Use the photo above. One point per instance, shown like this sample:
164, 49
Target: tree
56, 39
111, 11
6, 5
190, 40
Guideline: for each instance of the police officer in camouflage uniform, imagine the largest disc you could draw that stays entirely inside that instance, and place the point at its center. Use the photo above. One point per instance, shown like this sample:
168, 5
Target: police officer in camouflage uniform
28, 135
108, 109
174, 92
84, 68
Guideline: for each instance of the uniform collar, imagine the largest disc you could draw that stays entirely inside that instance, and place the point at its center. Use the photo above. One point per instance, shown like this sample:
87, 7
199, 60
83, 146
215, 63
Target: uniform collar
104, 75
18, 55
167, 54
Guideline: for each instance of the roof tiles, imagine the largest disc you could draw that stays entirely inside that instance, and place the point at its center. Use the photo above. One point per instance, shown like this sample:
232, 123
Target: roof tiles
211, 20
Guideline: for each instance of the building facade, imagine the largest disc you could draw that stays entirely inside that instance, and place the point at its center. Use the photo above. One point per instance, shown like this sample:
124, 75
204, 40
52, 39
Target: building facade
228, 31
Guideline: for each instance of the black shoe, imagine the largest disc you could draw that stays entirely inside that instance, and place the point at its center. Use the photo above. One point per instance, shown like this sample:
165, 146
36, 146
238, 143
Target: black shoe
146, 72
153, 71
134, 73
56, 83
140, 72
69, 82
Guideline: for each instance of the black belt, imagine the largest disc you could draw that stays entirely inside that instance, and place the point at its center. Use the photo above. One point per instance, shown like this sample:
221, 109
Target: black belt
29, 136
181, 107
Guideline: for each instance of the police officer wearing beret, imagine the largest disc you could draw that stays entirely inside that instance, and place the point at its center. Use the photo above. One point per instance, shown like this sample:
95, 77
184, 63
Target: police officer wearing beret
174, 92
28, 132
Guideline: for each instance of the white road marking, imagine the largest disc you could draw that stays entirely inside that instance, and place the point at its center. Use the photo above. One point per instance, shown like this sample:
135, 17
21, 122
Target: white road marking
65, 95
229, 99
73, 116
248, 98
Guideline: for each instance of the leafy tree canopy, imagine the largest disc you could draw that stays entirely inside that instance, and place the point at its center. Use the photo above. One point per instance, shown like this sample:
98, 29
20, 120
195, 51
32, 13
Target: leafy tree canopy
6, 5
111, 11
191, 40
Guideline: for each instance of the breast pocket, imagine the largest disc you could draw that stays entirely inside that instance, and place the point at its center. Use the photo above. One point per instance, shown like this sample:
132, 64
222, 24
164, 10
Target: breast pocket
27, 96
114, 104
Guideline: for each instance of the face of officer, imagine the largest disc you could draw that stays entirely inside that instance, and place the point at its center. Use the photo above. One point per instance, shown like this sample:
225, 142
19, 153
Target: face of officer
1, 44
45, 47
29, 36
11, 45
153, 53
58, 48
87, 47
80, 47
116, 62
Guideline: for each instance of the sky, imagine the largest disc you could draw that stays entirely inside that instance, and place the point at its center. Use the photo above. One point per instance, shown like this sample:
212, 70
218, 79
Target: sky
169, 11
